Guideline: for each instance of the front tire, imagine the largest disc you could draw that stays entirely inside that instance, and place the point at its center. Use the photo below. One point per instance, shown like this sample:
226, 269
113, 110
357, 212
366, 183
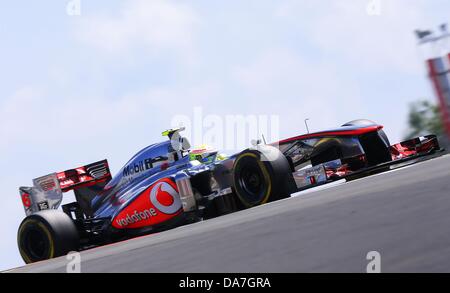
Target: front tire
258, 179
46, 235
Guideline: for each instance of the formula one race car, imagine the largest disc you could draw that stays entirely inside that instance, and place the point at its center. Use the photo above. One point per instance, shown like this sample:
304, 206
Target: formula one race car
169, 184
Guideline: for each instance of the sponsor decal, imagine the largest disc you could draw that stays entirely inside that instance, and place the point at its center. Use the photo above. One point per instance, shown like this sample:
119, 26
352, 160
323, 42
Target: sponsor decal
156, 204
46, 183
136, 217
137, 167
26, 200
165, 198
43, 205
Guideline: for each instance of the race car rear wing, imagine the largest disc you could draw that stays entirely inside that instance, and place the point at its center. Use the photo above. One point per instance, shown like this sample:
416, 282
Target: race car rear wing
47, 191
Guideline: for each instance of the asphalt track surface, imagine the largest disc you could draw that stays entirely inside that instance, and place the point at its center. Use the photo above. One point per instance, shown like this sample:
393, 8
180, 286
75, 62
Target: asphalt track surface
402, 214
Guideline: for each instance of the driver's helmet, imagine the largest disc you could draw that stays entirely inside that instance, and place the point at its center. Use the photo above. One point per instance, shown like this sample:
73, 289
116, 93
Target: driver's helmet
205, 154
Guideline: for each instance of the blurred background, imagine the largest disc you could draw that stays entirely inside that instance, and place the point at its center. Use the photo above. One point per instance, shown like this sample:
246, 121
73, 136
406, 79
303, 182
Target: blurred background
83, 80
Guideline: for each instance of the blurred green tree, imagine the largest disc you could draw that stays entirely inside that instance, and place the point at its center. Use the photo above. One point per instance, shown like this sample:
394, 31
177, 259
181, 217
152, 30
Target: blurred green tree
424, 118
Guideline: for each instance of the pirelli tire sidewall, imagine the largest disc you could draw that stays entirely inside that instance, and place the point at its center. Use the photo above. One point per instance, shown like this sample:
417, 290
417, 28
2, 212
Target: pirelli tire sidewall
46, 235
275, 177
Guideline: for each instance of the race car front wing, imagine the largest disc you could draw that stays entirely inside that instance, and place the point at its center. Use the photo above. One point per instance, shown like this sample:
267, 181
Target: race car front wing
355, 167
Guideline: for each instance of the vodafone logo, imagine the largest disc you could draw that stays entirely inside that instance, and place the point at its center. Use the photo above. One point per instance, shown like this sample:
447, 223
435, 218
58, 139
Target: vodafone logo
26, 200
157, 204
165, 198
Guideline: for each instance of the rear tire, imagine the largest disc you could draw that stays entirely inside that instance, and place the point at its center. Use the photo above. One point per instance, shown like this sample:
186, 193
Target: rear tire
258, 178
45, 235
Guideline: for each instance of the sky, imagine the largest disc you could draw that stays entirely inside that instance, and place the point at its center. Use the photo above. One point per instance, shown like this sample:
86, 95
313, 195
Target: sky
81, 81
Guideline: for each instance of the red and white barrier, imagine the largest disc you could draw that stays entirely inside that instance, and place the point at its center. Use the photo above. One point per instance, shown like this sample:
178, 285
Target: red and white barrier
439, 72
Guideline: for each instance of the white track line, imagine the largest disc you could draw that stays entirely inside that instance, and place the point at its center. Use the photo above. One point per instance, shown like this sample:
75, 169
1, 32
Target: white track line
319, 188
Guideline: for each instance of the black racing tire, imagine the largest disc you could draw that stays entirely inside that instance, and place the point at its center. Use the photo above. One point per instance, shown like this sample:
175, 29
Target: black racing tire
257, 180
326, 150
45, 235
